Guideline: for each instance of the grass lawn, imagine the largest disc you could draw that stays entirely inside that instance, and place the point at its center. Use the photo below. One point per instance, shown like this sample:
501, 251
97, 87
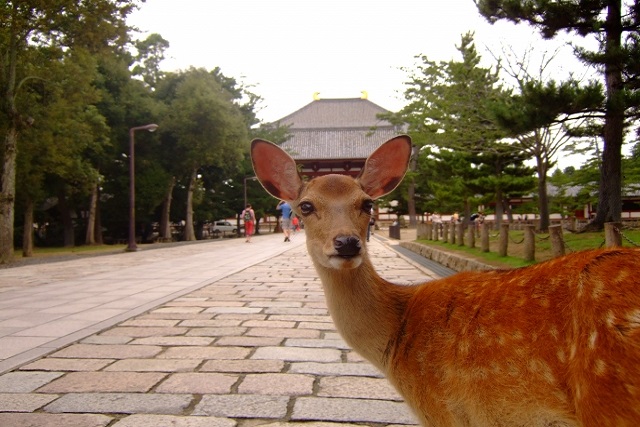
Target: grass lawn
73, 251
573, 242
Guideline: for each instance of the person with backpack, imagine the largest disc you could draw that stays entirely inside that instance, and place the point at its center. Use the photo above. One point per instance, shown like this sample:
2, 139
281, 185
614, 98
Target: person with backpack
249, 217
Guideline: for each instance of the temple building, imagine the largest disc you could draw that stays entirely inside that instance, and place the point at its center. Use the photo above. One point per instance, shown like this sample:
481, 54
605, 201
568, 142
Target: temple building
336, 135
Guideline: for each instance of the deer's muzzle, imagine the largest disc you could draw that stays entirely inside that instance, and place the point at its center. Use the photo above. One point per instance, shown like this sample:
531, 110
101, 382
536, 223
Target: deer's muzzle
347, 246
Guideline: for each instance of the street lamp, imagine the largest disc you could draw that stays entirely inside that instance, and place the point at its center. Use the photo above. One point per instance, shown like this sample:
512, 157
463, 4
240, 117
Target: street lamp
252, 178
132, 247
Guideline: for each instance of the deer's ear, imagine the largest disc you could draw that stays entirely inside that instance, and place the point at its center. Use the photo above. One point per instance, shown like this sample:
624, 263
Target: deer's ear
385, 167
275, 169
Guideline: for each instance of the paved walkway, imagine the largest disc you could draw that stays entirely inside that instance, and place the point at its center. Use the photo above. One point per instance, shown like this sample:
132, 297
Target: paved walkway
211, 334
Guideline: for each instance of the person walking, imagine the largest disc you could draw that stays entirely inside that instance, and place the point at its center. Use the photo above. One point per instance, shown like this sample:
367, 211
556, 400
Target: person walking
249, 217
372, 224
286, 219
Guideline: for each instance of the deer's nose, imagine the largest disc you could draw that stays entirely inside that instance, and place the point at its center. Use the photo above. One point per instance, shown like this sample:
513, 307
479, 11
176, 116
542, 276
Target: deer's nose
347, 246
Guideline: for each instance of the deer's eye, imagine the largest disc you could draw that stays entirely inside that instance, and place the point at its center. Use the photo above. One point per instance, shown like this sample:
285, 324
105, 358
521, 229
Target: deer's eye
367, 205
306, 208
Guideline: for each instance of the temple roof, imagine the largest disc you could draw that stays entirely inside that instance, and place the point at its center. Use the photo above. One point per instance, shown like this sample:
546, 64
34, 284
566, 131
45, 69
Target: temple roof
336, 113
335, 135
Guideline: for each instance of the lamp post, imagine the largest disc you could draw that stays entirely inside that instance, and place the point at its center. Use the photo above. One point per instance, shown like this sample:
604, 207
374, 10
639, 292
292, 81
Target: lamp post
252, 178
132, 247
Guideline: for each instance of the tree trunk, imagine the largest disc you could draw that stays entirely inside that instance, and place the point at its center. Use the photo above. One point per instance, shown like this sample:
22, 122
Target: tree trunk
411, 200
411, 203
90, 238
27, 233
189, 233
499, 210
98, 225
9, 149
543, 198
610, 191
67, 221
7, 195
165, 215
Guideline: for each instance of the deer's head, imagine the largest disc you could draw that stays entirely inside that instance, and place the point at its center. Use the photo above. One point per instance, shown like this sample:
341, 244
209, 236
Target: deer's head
335, 208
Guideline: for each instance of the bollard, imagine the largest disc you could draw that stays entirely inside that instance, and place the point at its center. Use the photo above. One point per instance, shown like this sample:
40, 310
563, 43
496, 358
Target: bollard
445, 232
484, 237
452, 234
422, 231
503, 241
529, 242
612, 234
460, 235
394, 231
557, 242
472, 235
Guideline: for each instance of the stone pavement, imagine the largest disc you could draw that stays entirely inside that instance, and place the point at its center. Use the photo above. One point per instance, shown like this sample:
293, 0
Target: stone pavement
214, 334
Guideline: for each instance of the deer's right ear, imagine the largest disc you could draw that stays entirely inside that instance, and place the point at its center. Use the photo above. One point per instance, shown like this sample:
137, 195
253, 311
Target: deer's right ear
276, 170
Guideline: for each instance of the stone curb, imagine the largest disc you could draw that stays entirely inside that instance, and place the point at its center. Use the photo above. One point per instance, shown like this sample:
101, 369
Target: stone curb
453, 261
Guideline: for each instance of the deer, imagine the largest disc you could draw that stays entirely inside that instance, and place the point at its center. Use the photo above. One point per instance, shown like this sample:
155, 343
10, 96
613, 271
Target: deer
552, 344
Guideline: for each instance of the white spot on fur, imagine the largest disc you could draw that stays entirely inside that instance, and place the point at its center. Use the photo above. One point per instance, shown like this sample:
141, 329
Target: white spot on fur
598, 288
592, 339
610, 318
634, 319
562, 356
600, 368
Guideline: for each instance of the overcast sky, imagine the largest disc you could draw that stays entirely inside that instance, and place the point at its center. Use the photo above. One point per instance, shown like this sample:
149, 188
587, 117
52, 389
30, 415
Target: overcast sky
290, 49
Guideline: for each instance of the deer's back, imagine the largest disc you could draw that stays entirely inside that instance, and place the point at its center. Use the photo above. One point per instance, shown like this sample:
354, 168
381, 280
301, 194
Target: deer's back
555, 342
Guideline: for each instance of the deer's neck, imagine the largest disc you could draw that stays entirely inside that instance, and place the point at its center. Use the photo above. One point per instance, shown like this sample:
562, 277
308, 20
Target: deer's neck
366, 309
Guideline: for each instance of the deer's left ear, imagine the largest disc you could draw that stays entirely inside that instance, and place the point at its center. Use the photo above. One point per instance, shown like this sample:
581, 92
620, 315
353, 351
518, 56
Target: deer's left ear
385, 167
276, 170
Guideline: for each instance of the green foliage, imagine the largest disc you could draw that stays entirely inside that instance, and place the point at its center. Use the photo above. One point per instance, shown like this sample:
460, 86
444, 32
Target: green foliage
462, 157
150, 55
541, 104
70, 96
614, 25
205, 125
631, 170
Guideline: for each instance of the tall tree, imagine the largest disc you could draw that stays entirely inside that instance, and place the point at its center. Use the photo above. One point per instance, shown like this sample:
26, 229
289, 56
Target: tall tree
607, 22
449, 109
57, 152
541, 116
207, 128
148, 58
24, 25
545, 118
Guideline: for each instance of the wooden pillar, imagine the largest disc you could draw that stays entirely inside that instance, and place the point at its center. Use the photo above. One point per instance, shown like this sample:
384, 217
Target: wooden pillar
452, 233
557, 242
503, 242
422, 231
529, 242
472, 235
460, 234
484, 237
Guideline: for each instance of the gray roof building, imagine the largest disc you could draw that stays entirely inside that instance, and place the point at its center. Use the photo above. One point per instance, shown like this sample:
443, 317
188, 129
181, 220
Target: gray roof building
336, 135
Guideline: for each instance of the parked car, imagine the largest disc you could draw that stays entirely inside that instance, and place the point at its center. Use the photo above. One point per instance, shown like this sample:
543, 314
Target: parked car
223, 226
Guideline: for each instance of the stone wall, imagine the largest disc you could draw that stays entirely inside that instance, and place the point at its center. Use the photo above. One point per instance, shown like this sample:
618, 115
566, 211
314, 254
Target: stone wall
455, 262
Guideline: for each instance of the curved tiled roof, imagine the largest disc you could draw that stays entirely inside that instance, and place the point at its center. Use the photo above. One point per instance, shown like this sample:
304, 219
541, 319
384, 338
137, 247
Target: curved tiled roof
336, 113
319, 144
336, 129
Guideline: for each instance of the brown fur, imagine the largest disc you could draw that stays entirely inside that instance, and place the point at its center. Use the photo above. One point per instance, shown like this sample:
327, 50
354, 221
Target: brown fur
555, 344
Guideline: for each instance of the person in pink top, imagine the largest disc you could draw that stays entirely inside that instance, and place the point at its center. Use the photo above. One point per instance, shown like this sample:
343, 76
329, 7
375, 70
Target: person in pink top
249, 217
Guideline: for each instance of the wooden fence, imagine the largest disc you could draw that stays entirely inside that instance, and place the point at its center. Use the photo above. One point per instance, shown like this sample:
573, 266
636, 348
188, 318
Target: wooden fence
453, 232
